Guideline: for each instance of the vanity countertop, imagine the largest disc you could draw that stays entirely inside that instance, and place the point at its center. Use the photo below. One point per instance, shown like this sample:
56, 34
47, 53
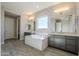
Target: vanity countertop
65, 34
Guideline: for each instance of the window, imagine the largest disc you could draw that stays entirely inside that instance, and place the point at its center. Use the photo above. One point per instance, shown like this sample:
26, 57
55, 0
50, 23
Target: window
42, 22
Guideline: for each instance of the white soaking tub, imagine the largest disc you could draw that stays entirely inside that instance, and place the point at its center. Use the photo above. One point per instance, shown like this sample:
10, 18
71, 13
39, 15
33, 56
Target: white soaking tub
36, 41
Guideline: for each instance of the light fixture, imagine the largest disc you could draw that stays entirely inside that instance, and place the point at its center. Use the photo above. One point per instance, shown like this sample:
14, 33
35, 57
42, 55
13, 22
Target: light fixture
61, 9
31, 18
29, 13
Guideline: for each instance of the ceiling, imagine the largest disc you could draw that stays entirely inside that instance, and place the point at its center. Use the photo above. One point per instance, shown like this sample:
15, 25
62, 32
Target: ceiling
28, 7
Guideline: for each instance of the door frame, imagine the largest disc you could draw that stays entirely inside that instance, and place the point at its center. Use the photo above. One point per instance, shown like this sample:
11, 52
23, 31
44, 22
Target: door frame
17, 34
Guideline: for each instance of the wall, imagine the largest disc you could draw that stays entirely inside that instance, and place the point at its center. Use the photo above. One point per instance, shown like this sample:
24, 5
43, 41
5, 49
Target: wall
0, 28
46, 12
77, 12
23, 26
2, 25
52, 16
23, 21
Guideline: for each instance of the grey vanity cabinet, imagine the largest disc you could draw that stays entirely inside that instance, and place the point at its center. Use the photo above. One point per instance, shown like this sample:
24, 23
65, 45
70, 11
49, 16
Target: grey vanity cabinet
60, 42
64, 42
51, 41
78, 45
70, 45
56, 41
51, 38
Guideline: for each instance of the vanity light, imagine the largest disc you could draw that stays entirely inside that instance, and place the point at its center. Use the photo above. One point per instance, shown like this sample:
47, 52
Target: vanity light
31, 18
29, 13
61, 9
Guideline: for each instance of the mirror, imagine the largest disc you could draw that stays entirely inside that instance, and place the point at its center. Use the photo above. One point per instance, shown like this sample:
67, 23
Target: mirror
29, 26
58, 25
64, 15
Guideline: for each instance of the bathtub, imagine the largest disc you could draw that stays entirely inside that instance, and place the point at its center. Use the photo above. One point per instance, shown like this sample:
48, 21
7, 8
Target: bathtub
37, 41
38, 37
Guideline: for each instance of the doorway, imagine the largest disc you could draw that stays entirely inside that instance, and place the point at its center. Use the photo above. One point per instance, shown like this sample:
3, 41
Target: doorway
11, 26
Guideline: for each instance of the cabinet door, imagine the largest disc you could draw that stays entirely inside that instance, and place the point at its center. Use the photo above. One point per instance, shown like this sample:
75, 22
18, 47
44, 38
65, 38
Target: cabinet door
71, 45
60, 42
51, 38
51, 41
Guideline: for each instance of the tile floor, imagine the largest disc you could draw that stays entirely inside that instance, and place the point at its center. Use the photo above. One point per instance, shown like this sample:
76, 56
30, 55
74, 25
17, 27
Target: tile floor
13, 47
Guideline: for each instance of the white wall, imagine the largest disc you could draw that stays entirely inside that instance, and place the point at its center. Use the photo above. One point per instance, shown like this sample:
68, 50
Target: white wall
77, 12
23, 26
2, 25
46, 12
23, 22
52, 16
0, 28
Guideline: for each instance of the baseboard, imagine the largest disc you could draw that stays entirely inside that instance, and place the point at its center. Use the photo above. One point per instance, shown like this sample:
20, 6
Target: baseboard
21, 39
